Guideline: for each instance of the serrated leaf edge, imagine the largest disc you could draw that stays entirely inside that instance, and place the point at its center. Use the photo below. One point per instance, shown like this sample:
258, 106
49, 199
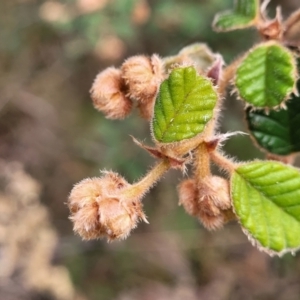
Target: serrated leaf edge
294, 74
251, 239
200, 137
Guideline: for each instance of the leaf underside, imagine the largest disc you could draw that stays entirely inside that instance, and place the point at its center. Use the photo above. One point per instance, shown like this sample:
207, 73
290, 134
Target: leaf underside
184, 106
242, 16
266, 76
266, 199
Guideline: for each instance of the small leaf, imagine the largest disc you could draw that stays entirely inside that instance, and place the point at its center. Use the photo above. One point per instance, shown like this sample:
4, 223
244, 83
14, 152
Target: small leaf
200, 55
278, 131
183, 106
266, 199
197, 54
267, 75
243, 15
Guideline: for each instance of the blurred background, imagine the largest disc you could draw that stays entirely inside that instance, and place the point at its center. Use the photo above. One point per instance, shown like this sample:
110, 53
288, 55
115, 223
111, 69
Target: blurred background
51, 137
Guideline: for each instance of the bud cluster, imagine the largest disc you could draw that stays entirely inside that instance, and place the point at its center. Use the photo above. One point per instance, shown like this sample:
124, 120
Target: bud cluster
109, 206
191, 86
114, 91
99, 209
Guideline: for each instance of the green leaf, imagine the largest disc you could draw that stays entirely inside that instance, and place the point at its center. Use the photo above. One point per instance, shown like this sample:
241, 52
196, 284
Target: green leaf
266, 199
279, 131
184, 106
266, 76
243, 15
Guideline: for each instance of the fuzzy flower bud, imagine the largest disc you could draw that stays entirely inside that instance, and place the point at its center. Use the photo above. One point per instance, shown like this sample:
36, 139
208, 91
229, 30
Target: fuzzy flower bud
146, 109
143, 75
108, 94
98, 208
209, 201
188, 196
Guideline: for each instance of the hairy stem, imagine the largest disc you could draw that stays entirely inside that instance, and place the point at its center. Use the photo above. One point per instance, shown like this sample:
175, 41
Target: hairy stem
291, 22
202, 163
141, 187
222, 161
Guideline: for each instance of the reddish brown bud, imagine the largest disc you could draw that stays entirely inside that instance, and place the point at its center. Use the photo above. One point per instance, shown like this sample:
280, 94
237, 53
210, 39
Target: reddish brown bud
214, 198
215, 70
216, 188
99, 210
188, 196
146, 109
209, 201
108, 94
143, 75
